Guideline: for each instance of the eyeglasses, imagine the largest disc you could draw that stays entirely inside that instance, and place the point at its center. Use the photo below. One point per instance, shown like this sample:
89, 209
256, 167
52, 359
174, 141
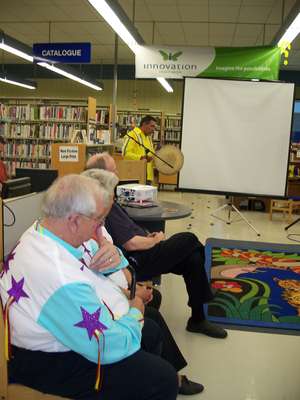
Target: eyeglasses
99, 220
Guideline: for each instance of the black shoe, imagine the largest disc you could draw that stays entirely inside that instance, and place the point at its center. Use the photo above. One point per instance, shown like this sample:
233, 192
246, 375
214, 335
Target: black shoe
188, 387
206, 328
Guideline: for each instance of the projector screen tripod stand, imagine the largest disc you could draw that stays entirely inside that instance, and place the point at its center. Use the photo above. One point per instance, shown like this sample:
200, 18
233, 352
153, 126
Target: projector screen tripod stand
230, 207
293, 223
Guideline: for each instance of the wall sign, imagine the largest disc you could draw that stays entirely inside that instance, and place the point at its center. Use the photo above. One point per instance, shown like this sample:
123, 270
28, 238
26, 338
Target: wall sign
230, 62
68, 153
63, 52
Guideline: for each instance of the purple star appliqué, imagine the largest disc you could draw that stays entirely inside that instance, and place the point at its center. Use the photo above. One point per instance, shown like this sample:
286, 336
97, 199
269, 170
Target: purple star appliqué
9, 258
16, 289
91, 322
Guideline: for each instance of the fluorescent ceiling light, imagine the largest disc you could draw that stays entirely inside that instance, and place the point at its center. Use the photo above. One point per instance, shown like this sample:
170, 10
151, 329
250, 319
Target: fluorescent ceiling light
13, 46
69, 75
14, 81
120, 23
16, 52
108, 13
291, 32
165, 84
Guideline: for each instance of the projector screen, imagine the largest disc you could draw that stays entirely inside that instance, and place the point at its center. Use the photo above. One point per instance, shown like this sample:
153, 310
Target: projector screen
236, 136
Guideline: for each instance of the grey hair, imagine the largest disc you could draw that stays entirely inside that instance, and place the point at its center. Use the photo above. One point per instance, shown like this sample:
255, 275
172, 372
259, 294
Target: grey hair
73, 194
106, 179
98, 161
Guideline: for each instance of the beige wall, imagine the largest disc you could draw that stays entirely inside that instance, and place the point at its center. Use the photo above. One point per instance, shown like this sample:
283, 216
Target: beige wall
132, 94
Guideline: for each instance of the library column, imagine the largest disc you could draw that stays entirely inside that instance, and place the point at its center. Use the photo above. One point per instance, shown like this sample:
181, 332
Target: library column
115, 92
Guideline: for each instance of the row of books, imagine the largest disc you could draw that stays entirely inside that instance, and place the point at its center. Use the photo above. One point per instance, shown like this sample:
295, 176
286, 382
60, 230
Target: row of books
172, 136
24, 112
31, 112
102, 117
45, 131
132, 119
27, 150
13, 164
172, 123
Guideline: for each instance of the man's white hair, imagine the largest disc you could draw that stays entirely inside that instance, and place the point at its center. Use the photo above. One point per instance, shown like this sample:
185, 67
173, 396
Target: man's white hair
106, 179
72, 194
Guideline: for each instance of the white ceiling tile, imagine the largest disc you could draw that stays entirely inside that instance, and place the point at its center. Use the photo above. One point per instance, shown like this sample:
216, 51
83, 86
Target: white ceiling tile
255, 14
163, 12
247, 30
275, 14
100, 32
196, 34
172, 34
127, 6
142, 12
221, 35
270, 32
288, 5
146, 31
192, 3
193, 12
229, 3
224, 13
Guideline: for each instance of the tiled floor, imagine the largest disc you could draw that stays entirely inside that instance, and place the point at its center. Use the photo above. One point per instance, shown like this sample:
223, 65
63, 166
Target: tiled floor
246, 365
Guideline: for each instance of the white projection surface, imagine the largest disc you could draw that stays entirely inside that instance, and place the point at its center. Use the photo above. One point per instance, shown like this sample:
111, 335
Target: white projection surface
235, 136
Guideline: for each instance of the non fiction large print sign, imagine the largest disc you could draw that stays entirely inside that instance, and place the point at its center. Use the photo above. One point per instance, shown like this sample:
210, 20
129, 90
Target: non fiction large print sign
68, 153
63, 52
230, 62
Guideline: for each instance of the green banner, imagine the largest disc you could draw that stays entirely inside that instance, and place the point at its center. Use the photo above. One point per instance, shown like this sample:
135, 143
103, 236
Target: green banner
244, 62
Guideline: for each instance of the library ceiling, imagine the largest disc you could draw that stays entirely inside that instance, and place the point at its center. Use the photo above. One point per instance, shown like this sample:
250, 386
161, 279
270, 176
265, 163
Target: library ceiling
167, 22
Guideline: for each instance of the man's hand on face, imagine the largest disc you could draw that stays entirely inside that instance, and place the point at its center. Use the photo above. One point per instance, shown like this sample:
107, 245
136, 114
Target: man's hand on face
107, 256
137, 302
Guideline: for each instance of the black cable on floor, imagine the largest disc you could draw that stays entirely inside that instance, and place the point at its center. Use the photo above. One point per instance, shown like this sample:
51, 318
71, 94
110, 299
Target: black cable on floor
293, 234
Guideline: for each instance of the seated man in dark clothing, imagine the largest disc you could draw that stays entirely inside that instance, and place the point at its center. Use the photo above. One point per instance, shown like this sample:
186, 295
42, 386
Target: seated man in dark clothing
153, 254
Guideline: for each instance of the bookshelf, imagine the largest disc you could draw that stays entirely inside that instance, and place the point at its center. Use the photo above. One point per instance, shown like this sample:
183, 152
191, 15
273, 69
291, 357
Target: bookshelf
128, 119
171, 135
31, 125
172, 129
30, 128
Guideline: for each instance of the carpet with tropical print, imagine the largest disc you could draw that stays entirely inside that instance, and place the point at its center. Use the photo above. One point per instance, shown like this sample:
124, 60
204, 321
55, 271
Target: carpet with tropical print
257, 284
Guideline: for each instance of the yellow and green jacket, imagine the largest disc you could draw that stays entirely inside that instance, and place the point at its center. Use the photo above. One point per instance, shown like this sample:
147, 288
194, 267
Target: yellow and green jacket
133, 151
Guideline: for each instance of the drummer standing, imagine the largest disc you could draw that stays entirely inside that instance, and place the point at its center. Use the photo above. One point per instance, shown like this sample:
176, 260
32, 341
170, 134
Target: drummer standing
136, 151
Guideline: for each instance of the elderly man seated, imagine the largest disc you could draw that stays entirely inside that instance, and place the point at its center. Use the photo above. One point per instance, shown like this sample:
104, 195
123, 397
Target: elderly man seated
72, 329
153, 254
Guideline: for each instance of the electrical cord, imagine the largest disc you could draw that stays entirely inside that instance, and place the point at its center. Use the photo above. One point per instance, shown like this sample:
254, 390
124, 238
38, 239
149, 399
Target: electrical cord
13, 216
293, 234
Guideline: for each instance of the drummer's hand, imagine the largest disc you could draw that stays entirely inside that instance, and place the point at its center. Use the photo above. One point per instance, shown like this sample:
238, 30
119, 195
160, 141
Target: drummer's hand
147, 158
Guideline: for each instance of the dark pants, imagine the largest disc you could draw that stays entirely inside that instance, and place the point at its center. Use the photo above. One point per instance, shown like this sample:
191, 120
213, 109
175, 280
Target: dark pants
181, 254
169, 349
142, 376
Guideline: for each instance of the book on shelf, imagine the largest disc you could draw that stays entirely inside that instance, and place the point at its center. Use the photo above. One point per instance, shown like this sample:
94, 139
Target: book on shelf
66, 113
173, 123
13, 164
26, 150
102, 117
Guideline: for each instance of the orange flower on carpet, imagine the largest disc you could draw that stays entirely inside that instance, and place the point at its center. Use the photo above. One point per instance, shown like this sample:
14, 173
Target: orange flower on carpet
227, 286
